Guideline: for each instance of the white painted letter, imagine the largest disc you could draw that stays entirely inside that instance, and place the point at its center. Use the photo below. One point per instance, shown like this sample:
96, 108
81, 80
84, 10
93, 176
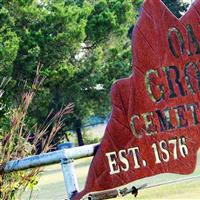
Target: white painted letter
123, 159
114, 168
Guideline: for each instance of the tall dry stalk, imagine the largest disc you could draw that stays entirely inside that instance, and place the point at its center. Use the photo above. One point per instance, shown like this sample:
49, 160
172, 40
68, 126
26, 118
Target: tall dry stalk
18, 142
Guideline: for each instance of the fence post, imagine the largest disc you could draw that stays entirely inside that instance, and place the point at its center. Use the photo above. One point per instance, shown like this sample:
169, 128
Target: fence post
70, 179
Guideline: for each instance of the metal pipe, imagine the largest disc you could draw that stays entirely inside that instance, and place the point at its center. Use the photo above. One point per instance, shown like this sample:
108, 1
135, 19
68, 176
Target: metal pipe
50, 158
71, 183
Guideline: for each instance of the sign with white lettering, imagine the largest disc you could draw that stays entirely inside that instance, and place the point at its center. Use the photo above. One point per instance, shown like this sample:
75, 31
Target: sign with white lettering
155, 123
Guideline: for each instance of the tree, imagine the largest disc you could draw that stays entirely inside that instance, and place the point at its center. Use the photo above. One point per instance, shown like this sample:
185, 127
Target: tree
71, 40
83, 46
50, 33
177, 7
9, 42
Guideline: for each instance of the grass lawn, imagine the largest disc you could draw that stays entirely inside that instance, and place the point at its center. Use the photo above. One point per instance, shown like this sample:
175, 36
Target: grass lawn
51, 185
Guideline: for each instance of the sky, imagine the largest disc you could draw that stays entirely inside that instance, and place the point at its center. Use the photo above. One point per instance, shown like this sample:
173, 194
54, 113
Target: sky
188, 1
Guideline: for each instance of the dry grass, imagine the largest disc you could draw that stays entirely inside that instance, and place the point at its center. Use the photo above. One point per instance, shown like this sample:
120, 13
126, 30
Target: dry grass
20, 141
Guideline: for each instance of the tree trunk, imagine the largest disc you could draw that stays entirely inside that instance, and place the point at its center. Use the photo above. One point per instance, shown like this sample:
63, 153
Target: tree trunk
78, 132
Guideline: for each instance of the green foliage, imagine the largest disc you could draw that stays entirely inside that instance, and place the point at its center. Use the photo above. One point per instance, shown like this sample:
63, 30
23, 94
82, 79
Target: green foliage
9, 43
88, 137
82, 45
50, 35
176, 6
90, 140
76, 42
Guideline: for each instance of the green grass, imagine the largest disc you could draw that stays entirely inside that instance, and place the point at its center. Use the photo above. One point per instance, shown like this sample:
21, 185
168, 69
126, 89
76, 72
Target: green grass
51, 185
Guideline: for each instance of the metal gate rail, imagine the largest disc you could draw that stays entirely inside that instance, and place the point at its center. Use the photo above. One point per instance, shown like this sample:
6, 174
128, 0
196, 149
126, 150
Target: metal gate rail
66, 157
63, 156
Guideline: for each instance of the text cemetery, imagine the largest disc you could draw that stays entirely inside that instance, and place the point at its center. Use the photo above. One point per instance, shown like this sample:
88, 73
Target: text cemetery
183, 115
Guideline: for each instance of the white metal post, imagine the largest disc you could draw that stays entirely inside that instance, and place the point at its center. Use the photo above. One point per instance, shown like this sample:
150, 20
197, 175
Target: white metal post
70, 179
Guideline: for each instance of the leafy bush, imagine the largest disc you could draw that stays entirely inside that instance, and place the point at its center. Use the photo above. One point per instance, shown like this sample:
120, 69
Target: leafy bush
90, 138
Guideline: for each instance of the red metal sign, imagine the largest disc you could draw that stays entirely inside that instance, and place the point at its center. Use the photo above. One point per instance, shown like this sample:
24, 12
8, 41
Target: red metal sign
155, 122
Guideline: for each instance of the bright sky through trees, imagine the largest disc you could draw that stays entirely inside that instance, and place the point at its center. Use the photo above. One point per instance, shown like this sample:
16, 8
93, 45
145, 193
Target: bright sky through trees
188, 1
